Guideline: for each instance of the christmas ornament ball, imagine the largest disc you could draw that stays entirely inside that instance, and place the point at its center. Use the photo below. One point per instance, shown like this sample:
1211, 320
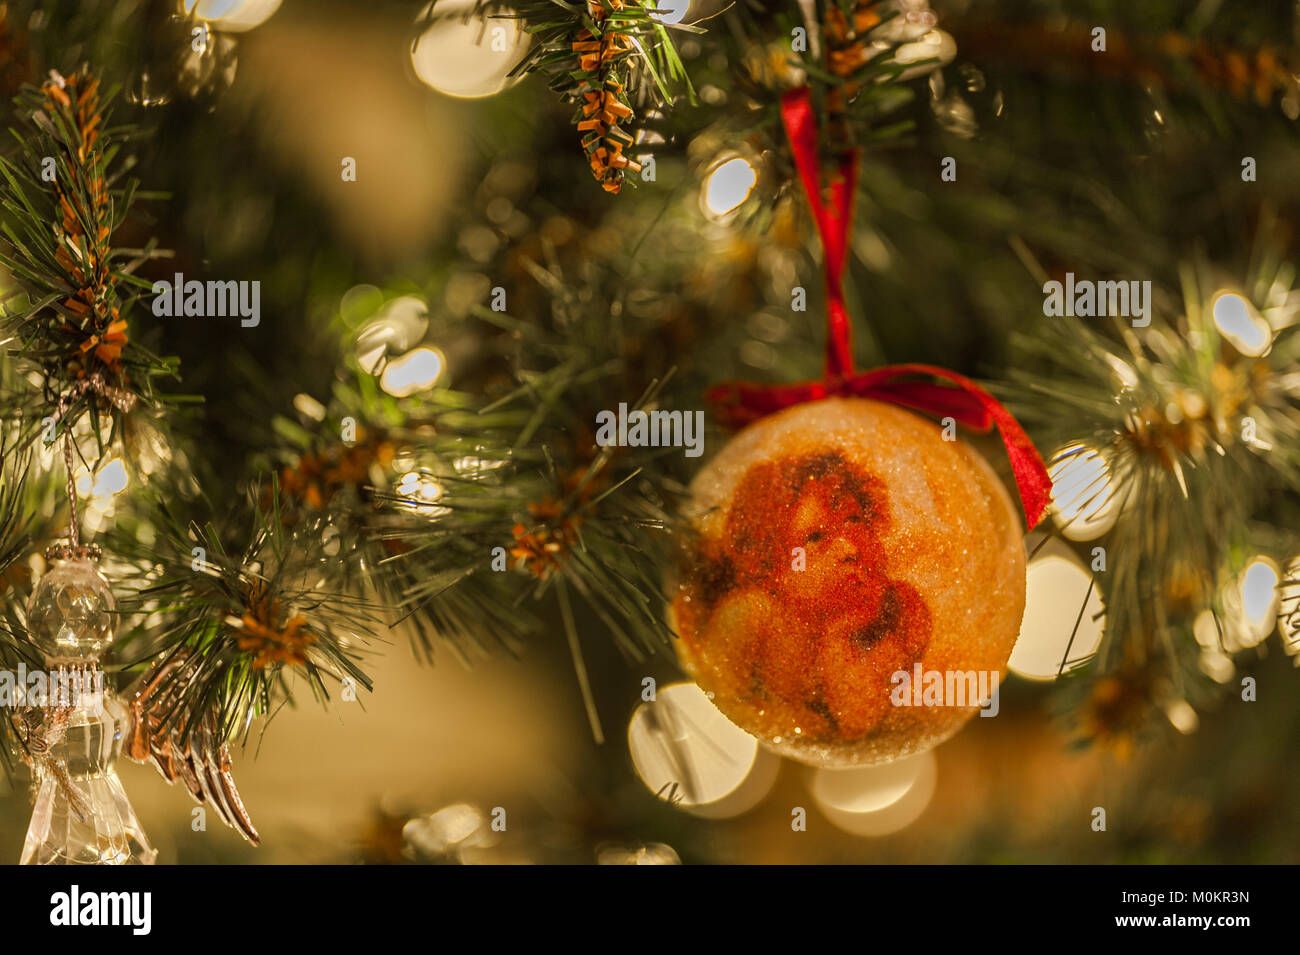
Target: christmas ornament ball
838, 550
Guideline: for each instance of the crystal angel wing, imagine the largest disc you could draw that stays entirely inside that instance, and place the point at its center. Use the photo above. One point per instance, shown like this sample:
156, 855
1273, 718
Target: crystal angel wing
200, 761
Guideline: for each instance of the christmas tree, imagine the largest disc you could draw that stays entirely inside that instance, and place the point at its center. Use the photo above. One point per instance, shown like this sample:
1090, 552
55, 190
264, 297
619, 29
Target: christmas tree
523, 430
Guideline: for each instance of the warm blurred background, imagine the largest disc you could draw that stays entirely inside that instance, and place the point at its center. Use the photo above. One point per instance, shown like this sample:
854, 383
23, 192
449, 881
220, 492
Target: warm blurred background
1065, 162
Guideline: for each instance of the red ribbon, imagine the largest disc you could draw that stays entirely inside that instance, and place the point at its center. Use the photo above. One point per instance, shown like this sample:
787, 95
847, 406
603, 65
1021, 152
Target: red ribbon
738, 403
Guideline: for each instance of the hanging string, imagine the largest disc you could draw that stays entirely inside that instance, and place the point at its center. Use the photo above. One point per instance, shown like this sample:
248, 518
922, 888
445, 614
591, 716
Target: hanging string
739, 402
121, 399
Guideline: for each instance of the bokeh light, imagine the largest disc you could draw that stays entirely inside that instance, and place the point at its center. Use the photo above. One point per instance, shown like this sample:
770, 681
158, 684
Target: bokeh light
1259, 600
689, 754
453, 828
233, 16
397, 326
876, 800
468, 58
1252, 604
308, 407
655, 853
1182, 717
670, 11
1215, 662
414, 371
1240, 323
936, 46
111, 479
727, 186
1053, 630
1084, 499
1288, 611
420, 492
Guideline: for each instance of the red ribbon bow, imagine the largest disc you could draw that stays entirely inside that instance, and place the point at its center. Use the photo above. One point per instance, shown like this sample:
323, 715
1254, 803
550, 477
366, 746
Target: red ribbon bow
738, 402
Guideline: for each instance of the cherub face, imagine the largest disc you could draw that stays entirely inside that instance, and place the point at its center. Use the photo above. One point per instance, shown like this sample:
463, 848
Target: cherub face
834, 523
797, 523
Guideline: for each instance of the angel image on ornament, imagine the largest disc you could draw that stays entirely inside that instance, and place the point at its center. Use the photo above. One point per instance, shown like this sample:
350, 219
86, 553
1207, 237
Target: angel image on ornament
799, 597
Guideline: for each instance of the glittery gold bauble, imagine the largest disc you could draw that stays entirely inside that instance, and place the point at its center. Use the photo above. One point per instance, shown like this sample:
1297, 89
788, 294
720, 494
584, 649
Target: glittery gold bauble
838, 546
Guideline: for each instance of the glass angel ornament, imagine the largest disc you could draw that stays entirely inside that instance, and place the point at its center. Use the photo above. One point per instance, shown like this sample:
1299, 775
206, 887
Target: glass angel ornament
73, 731
73, 737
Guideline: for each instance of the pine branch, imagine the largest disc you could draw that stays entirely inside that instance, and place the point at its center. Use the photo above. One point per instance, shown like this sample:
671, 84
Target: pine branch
245, 610
1199, 440
64, 199
485, 504
604, 55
